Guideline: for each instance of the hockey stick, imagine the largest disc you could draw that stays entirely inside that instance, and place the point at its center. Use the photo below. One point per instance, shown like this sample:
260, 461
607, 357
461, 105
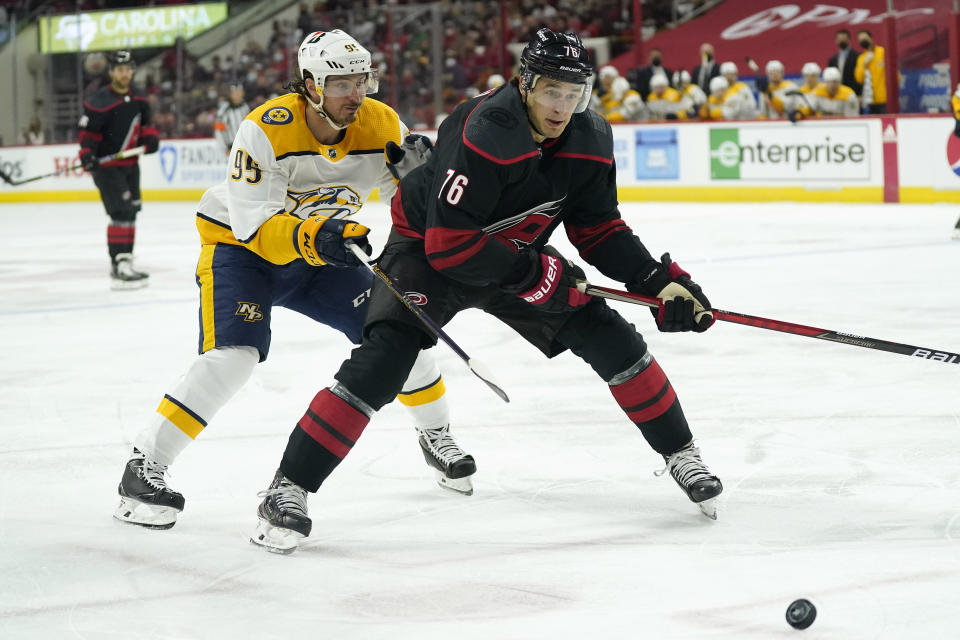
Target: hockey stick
477, 368
127, 153
785, 327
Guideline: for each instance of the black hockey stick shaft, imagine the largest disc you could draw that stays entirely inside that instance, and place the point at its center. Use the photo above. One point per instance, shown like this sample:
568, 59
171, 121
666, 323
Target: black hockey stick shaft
475, 367
128, 153
785, 327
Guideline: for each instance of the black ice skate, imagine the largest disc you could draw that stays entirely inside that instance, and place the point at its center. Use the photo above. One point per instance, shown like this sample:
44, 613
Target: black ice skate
701, 486
452, 466
145, 499
123, 276
956, 230
283, 516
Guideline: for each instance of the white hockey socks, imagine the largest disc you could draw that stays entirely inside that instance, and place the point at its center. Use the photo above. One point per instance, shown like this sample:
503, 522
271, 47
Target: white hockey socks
207, 386
424, 394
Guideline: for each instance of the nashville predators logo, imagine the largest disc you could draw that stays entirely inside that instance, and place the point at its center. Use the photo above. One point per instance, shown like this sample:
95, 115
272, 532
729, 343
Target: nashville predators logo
331, 201
249, 310
277, 115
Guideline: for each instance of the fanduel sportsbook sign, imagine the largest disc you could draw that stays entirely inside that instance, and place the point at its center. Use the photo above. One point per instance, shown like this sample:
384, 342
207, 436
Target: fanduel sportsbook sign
790, 153
127, 28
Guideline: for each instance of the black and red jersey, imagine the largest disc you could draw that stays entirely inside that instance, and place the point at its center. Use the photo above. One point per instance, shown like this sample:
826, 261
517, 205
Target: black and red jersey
112, 122
489, 191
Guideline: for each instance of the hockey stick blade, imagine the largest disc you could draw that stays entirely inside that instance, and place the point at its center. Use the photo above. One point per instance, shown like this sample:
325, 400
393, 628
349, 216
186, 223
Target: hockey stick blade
475, 367
784, 327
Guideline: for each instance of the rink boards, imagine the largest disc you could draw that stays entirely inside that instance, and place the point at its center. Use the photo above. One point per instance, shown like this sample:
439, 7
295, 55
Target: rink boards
869, 159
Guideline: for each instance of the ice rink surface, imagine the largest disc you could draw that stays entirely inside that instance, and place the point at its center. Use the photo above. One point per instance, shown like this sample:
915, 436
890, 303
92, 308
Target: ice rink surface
840, 464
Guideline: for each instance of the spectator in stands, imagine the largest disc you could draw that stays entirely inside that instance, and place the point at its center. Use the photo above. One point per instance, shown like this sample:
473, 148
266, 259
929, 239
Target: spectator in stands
640, 78
833, 98
682, 81
715, 107
845, 59
871, 73
708, 69
739, 96
776, 94
33, 134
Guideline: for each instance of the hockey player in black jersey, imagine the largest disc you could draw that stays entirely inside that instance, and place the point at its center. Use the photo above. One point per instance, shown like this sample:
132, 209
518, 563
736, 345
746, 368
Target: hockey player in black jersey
117, 117
470, 230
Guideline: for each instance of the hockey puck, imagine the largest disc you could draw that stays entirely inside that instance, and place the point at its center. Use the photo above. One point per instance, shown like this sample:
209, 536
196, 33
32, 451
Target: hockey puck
801, 613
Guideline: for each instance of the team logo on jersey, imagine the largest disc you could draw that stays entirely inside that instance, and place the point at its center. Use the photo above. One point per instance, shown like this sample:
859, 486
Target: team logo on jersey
953, 153
277, 115
416, 298
523, 228
250, 311
333, 201
332, 152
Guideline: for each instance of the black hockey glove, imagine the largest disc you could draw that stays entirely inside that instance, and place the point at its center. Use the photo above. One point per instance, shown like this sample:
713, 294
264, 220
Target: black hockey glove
152, 143
320, 241
793, 115
683, 307
551, 282
402, 159
89, 160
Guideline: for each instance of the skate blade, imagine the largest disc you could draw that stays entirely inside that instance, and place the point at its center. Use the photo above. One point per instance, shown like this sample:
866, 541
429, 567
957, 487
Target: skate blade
463, 486
276, 539
144, 515
709, 508
128, 285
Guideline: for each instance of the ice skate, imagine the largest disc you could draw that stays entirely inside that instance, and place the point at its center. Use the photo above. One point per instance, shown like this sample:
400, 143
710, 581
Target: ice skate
956, 230
145, 499
283, 516
123, 276
701, 486
451, 465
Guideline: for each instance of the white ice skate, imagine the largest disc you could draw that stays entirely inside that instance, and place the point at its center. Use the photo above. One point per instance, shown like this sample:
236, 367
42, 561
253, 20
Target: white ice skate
452, 467
689, 472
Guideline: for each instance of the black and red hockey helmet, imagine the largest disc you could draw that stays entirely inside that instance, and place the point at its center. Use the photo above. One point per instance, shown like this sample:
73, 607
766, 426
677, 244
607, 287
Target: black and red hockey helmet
119, 58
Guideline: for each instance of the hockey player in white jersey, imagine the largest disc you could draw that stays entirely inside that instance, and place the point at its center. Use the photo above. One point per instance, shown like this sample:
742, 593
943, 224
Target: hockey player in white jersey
777, 96
739, 99
273, 234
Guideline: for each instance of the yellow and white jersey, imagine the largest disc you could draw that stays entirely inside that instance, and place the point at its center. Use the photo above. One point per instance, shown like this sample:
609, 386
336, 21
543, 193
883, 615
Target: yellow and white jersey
670, 102
739, 103
845, 103
695, 94
279, 174
805, 106
775, 103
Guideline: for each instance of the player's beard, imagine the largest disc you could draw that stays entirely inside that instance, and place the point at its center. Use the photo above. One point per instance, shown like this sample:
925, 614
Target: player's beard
347, 118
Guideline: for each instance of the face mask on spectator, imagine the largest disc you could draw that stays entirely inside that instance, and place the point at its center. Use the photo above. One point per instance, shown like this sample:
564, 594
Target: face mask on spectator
864, 43
843, 45
656, 60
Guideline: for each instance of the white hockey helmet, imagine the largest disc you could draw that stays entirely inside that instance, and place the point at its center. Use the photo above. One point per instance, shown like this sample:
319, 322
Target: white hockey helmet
774, 66
681, 77
718, 84
811, 69
619, 87
832, 74
728, 68
608, 70
659, 80
334, 53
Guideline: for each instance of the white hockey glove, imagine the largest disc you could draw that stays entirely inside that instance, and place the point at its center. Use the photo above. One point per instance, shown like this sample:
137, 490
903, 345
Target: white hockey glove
402, 159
